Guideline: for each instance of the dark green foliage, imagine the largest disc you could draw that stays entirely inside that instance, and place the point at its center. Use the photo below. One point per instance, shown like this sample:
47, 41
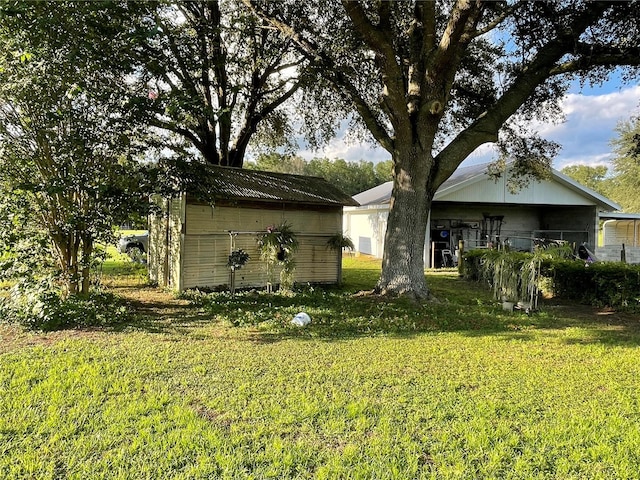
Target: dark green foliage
470, 267
39, 306
600, 284
340, 241
238, 259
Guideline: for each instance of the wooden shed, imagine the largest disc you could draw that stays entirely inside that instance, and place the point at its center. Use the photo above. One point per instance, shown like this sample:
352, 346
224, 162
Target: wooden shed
217, 210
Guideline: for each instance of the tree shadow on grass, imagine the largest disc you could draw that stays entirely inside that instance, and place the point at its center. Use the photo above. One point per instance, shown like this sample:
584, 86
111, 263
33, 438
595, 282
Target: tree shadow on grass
338, 316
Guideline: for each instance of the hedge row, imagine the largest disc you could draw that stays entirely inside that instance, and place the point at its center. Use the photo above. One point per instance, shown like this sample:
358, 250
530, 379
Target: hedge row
612, 284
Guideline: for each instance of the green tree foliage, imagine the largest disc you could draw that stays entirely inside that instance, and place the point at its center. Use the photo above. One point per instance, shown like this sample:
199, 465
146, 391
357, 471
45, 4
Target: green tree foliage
275, 162
212, 74
350, 177
66, 149
432, 81
625, 183
594, 178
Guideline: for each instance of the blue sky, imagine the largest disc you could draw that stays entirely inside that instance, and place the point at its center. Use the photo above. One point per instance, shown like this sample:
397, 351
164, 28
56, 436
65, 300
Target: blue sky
592, 114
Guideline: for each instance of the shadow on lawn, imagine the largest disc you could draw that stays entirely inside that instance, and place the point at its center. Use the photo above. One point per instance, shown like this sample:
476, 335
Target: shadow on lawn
337, 315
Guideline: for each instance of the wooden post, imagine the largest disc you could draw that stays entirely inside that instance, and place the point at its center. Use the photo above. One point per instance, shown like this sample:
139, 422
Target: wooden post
623, 254
460, 257
433, 254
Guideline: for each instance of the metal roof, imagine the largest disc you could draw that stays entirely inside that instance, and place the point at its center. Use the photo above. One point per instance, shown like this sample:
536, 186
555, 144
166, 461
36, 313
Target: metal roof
381, 194
464, 176
619, 216
210, 183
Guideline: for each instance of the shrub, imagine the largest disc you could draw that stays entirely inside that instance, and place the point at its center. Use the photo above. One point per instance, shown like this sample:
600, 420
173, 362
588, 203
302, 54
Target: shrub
41, 306
599, 284
610, 284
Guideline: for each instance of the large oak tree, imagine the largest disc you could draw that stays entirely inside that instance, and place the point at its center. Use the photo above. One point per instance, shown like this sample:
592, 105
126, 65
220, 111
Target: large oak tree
432, 81
211, 73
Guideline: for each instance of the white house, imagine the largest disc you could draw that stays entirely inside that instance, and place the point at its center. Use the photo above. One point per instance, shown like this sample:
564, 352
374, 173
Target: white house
480, 210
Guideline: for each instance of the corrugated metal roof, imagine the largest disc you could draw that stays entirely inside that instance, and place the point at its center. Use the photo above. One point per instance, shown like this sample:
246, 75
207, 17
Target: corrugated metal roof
210, 183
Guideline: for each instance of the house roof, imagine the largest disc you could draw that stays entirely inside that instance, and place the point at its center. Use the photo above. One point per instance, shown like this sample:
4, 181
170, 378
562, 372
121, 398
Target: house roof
471, 176
210, 183
619, 216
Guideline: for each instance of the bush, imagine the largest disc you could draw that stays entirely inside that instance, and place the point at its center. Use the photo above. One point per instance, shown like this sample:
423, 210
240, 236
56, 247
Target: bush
40, 306
610, 284
599, 284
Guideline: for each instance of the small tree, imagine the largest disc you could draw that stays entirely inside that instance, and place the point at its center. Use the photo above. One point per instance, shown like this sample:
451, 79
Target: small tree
65, 149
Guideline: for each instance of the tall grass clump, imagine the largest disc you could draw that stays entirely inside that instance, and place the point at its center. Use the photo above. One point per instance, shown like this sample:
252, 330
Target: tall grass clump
513, 276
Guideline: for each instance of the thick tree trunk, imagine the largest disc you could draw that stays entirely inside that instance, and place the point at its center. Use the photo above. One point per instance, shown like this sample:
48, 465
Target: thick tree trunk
403, 260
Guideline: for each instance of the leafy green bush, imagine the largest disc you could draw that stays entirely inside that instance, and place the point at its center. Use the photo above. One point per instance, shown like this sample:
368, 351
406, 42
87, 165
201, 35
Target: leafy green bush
600, 284
41, 306
610, 284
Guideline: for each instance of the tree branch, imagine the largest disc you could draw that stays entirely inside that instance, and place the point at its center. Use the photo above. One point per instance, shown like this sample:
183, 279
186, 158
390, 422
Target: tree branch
506, 13
379, 40
332, 74
486, 126
595, 55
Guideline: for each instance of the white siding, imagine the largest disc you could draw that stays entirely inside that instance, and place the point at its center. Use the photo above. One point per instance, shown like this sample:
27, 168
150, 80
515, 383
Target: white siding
366, 227
537, 193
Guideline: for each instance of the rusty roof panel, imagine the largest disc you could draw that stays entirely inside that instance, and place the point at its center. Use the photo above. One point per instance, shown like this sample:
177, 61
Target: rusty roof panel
209, 183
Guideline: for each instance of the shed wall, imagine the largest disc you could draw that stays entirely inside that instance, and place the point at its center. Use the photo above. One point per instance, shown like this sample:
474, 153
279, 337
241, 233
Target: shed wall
207, 243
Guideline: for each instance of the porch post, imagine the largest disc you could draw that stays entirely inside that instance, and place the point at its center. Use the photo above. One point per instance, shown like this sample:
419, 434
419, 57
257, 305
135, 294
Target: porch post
427, 243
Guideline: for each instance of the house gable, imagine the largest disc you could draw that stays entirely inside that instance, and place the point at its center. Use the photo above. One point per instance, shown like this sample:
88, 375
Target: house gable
483, 189
473, 185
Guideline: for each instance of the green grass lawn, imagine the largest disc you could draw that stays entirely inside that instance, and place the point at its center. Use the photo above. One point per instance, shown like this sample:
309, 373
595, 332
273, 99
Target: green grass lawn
371, 389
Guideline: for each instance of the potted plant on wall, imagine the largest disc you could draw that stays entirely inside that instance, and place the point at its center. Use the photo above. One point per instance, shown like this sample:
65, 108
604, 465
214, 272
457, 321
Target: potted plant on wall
277, 245
338, 243
237, 260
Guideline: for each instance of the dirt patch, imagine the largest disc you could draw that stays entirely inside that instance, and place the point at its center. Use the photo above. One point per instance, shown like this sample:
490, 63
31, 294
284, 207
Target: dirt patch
157, 311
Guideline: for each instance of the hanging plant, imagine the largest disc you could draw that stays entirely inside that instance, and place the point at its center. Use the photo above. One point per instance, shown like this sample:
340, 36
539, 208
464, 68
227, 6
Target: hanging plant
238, 259
277, 245
339, 241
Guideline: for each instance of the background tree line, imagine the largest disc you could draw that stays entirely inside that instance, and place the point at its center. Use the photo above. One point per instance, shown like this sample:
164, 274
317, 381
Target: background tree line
350, 177
621, 182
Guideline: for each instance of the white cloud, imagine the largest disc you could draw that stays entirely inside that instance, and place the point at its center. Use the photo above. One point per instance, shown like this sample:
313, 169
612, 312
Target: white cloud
590, 125
584, 136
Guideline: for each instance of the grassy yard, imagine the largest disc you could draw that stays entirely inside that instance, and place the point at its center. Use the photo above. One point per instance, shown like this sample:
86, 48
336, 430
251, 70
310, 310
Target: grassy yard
221, 387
